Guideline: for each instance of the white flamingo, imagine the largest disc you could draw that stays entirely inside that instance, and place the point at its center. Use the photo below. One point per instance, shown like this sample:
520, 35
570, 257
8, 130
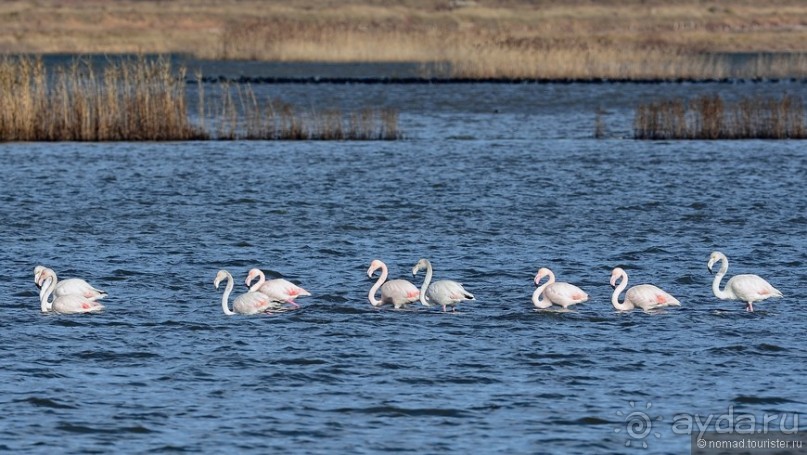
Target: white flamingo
67, 304
442, 292
747, 288
558, 293
644, 296
70, 286
277, 289
247, 303
399, 293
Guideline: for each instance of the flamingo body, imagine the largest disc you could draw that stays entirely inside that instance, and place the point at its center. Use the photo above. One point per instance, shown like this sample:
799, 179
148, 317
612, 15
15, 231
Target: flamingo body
442, 292
747, 288
247, 303
277, 289
67, 304
70, 286
397, 293
649, 297
74, 304
644, 296
558, 293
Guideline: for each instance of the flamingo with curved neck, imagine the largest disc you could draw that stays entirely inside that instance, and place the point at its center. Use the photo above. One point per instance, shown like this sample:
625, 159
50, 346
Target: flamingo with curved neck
247, 303
398, 293
644, 296
66, 304
277, 289
747, 288
69, 286
558, 293
442, 292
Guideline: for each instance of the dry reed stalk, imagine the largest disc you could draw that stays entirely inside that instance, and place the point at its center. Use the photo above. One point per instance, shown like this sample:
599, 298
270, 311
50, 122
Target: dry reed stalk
709, 117
142, 99
512, 39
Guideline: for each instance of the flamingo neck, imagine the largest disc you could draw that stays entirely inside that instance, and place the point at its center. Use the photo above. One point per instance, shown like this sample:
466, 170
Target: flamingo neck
536, 296
226, 296
261, 281
724, 267
625, 306
426, 282
378, 283
44, 294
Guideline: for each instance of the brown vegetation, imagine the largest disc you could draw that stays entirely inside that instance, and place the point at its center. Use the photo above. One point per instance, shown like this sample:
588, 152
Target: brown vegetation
710, 117
493, 38
137, 100
145, 100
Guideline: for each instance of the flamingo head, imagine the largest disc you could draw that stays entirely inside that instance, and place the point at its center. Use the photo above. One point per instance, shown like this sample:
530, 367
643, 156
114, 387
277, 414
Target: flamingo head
375, 265
542, 272
222, 275
44, 275
253, 273
37, 271
422, 264
616, 274
714, 258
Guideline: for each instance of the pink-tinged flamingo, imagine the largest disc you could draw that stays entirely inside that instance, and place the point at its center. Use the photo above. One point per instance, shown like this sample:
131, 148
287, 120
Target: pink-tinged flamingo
247, 303
442, 292
278, 289
398, 293
558, 293
66, 304
747, 288
644, 296
70, 286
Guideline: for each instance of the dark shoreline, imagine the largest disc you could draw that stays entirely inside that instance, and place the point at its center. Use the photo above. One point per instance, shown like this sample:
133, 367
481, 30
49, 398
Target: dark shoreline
368, 73
449, 80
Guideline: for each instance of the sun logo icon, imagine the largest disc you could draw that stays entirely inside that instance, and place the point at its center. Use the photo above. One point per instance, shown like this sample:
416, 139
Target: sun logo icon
638, 425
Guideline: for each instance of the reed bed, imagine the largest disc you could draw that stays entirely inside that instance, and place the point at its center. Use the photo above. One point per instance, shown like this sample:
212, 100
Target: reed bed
136, 100
240, 114
711, 117
569, 39
480, 49
146, 100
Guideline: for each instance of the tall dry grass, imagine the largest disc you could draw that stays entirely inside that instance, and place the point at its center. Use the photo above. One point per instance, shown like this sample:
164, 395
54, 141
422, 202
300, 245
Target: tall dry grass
627, 39
548, 41
126, 101
239, 113
146, 100
710, 117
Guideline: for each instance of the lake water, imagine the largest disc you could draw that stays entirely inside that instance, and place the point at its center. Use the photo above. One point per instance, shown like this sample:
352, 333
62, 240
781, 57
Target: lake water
492, 183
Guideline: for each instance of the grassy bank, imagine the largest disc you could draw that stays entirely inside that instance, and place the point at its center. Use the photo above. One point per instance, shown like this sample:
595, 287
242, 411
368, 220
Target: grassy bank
496, 38
146, 100
711, 117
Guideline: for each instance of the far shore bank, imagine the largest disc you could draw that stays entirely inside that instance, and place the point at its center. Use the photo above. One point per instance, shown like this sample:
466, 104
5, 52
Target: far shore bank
471, 40
265, 72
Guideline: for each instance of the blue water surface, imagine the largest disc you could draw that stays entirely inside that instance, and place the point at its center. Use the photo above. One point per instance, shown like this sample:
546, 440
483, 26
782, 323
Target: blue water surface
489, 197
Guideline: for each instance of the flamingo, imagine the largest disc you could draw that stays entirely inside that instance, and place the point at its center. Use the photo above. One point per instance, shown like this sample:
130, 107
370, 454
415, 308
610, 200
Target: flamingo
247, 303
443, 292
399, 293
748, 288
559, 293
644, 296
70, 286
67, 304
278, 289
